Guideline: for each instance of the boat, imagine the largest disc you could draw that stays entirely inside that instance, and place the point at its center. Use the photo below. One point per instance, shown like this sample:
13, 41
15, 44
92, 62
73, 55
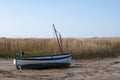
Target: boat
40, 62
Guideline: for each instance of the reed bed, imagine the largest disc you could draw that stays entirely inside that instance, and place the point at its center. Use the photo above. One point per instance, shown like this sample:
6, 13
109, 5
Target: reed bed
80, 48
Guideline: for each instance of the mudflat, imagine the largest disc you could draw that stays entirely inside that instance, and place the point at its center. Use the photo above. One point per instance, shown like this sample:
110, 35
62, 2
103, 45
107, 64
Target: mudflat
106, 69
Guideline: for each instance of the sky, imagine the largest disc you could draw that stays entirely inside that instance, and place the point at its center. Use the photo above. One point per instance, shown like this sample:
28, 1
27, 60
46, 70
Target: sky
72, 18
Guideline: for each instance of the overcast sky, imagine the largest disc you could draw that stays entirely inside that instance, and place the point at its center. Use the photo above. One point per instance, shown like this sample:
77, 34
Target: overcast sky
72, 18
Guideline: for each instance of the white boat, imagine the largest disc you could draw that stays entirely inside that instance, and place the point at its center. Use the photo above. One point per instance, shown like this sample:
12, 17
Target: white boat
50, 61
35, 62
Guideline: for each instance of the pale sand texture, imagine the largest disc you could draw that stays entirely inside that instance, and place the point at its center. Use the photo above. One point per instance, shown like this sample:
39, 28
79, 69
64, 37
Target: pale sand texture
107, 69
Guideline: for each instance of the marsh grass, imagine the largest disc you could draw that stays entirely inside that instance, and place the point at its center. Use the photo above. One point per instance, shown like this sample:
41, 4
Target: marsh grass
80, 48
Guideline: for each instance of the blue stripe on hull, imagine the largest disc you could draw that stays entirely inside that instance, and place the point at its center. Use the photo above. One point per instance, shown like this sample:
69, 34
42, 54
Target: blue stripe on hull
43, 59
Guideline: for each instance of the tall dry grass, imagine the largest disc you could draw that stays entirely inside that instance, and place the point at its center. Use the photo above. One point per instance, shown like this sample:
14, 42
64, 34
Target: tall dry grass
80, 48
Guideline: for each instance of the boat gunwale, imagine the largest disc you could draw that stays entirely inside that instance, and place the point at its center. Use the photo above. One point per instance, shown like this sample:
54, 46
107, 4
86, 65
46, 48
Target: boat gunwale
50, 58
43, 56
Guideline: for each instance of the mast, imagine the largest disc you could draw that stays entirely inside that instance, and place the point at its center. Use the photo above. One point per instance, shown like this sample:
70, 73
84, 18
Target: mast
59, 44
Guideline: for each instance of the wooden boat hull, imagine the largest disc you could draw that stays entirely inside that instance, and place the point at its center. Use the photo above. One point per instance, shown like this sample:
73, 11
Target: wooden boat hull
35, 62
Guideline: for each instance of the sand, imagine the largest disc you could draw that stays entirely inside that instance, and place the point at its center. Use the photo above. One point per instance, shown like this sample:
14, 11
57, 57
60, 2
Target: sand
106, 69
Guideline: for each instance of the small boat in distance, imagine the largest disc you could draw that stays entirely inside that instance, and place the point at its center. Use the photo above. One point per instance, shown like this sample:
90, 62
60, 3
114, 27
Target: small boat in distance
49, 61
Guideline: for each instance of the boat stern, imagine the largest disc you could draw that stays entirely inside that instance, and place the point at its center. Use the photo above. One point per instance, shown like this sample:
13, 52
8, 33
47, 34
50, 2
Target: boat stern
14, 61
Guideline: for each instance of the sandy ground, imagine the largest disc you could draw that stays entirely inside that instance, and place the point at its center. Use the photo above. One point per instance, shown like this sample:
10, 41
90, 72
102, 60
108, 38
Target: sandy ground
107, 69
